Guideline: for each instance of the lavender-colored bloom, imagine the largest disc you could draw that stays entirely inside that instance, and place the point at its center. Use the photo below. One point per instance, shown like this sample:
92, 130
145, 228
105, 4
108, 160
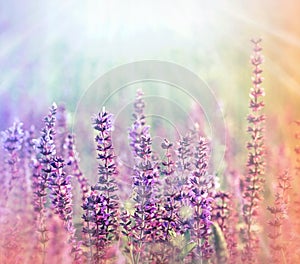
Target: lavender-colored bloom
61, 198
103, 122
185, 152
45, 144
184, 166
12, 140
139, 129
145, 222
60, 187
45, 153
101, 206
171, 195
107, 168
200, 196
49, 173
168, 222
41, 171
97, 219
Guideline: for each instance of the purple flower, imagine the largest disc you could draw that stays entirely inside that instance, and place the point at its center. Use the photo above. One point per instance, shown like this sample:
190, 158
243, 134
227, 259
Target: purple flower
49, 173
97, 225
107, 168
101, 206
61, 190
171, 203
145, 222
12, 140
41, 171
103, 122
200, 197
13, 137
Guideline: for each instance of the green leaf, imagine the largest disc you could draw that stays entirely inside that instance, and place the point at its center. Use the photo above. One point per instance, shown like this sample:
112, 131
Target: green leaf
220, 244
187, 249
187, 236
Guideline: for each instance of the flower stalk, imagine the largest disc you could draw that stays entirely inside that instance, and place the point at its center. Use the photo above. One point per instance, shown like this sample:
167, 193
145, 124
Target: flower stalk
254, 180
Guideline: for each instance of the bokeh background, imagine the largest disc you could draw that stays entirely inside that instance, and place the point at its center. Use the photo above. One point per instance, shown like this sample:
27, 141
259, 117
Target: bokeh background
53, 51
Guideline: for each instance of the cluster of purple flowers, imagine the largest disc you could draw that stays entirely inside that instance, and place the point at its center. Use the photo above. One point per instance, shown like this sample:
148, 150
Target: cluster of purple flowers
174, 212
101, 205
143, 226
168, 216
157, 217
201, 197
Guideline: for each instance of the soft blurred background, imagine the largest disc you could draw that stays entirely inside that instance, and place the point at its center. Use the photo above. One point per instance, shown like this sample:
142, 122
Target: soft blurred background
53, 50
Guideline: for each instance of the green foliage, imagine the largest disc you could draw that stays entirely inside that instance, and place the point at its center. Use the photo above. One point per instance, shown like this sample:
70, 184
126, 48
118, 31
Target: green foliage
219, 244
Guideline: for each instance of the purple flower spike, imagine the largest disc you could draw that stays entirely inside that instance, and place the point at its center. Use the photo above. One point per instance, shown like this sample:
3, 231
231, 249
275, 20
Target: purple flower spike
12, 140
98, 225
145, 221
200, 196
60, 186
41, 172
101, 206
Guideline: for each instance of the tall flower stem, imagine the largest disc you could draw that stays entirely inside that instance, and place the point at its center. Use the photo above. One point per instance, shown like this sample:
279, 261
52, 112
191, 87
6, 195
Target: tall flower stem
279, 212
73, 161
61, 198
171, 196
12, 143
107, 170
101, 206
41, 171
145, 221
200, 196
253, 183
